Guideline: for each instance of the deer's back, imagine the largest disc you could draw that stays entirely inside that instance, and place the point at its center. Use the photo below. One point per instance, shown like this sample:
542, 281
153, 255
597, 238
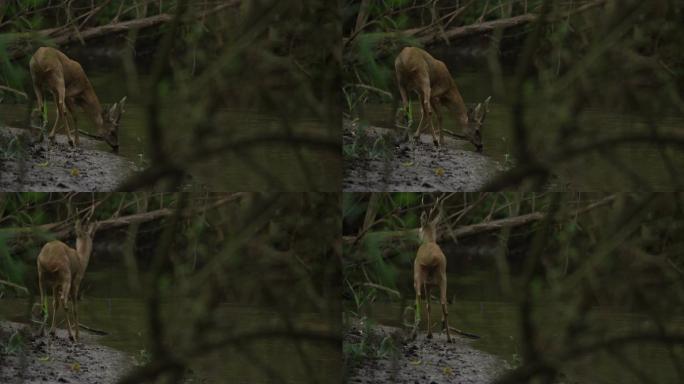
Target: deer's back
49, 61
56, 257
430, 255
414, 64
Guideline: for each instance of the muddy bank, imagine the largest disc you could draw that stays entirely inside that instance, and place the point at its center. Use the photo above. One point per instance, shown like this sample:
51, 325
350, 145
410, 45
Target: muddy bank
56, 359
28, 164
419, 361
412, 167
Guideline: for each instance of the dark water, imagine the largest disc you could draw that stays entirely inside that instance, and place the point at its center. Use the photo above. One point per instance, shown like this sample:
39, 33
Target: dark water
479, 307
278, 166
635, 166
110, 305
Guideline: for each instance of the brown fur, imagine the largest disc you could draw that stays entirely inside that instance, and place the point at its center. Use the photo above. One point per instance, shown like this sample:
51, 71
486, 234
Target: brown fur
429, 269
418, 71
62, 268
70, 87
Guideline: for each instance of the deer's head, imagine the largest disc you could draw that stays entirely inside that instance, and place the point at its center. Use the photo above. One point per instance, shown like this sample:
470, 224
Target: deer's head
84, 237
85, 231
476, 118
111, 117
429, 222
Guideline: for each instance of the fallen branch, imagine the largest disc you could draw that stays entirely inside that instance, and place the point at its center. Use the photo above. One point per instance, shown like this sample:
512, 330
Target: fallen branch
464, 333
62, 36
13, 285
64, 230
489, 226
16, 91
426, 36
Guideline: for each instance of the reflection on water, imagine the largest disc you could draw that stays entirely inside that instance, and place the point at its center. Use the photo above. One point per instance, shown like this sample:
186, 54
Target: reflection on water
633, 165
476, 309
110, 305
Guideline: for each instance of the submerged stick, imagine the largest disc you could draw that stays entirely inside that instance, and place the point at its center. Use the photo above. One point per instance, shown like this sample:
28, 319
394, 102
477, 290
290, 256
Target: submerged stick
463, 333
93, 330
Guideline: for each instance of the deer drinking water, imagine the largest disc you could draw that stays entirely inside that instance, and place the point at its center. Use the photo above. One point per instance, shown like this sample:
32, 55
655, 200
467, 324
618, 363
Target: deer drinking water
62, 268
70, 87
417, 71
429, 268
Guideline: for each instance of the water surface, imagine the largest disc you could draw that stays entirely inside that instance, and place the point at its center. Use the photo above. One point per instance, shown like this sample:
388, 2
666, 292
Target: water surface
631, 166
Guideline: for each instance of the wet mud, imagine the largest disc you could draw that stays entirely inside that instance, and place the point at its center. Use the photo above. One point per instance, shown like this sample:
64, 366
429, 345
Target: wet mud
55, 359
28, 163
414, 166
422, 360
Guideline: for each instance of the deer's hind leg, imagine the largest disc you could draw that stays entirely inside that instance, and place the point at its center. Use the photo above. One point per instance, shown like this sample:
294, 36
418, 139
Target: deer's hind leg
55, 307
421, 86
425, 95
443, 301
417, 284
57, 85
427, 309
42, 302
64, 299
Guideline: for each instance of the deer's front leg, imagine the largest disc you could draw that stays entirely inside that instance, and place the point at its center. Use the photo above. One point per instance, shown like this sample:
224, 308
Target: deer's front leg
71, 109
416, 135
74, 308
436, 109
51, 136
39, 99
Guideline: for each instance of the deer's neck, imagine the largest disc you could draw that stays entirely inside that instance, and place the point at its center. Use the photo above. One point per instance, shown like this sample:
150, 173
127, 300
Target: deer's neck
428, 234
456, 101
91, 105
83, 251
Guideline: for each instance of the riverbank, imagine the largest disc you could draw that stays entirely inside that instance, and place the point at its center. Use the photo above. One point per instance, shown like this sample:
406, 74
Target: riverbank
31, 164
411, 167
26, 358
419, 361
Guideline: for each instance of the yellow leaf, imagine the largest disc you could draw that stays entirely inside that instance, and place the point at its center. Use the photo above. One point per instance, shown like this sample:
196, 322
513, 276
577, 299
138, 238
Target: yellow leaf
76, 367
439, 171
417, 362
45, 164
407, 164
448, 371
75, 172
44, 358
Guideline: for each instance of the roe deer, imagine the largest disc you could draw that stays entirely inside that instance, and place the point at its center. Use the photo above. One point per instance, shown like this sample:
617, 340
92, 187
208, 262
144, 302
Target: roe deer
62, 268
418, 71
70, 87
429, 268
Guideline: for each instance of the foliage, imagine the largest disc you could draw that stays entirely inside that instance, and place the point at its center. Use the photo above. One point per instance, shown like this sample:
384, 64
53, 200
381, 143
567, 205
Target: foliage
582, 259
276, 57
272, 252
565, 62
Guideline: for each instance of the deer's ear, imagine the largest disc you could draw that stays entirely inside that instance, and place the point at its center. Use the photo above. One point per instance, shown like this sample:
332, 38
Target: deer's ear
92, 227
423, 219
